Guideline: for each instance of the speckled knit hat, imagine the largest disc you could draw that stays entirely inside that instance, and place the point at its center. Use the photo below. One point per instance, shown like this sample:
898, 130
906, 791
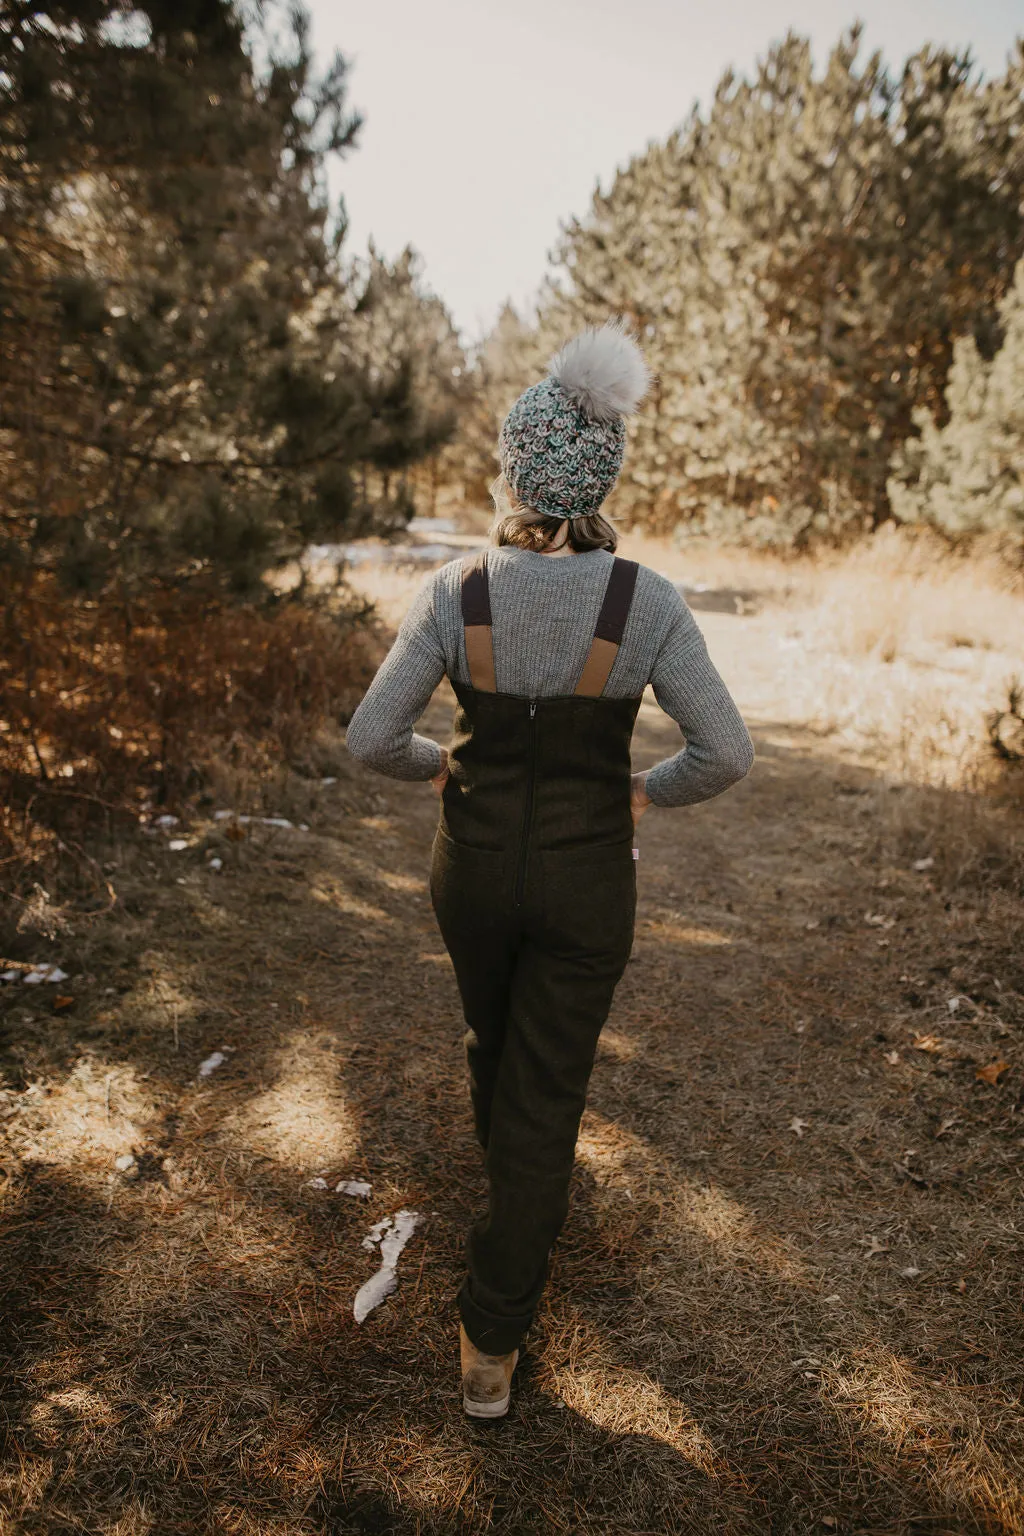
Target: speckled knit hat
562, 443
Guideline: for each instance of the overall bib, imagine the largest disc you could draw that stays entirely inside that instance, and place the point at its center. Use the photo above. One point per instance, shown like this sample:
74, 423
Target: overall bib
534, 886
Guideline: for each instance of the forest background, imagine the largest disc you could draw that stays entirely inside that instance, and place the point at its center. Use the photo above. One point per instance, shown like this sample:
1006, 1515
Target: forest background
199, 383
788, 1295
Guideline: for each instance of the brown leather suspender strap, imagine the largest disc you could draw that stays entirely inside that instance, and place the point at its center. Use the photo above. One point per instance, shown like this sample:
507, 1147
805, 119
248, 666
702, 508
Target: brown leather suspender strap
476, 617
608, 632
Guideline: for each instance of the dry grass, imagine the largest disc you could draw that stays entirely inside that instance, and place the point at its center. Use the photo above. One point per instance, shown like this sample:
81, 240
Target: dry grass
390, 588
904, 595
108, 708
901, 593
787, 1298
895, 654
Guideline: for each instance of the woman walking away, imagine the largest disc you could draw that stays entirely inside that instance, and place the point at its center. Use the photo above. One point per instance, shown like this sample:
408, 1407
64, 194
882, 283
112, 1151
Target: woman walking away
549, 641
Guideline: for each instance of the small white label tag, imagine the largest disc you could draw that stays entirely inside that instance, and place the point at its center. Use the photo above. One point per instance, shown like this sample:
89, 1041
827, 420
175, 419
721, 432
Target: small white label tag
636, 852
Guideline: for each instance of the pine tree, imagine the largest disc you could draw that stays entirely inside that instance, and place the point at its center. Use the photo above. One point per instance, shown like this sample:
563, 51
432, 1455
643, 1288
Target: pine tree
194, 386
171, 404
510, 358
967, 476
797, 263
403, 342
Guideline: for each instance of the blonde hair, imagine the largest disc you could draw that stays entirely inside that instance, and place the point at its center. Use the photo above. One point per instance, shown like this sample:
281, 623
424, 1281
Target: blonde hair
521, 526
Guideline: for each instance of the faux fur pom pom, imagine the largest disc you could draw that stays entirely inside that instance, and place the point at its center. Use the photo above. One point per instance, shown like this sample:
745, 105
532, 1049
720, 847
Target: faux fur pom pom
603, 371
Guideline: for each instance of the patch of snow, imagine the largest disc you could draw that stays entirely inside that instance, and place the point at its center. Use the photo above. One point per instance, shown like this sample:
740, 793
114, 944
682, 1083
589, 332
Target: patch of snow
45, 973
431, 525
375, 1234
211, 1063
166, 821
245, 821
922, 864
178, 844
331, 779
392, 1234
125, 1163
362, 1191
216, 864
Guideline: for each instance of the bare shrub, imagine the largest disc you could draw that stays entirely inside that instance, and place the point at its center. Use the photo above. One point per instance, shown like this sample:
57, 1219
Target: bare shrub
107, 707
1006, 727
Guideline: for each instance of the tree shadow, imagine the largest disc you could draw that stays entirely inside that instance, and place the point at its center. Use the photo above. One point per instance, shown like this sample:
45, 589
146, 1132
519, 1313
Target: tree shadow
189, 1360
221, 1410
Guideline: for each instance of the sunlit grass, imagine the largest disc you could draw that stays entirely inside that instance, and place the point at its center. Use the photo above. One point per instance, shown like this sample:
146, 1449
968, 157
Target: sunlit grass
97, 1113
625, 1164
895, 648
302, 1120
583, 1370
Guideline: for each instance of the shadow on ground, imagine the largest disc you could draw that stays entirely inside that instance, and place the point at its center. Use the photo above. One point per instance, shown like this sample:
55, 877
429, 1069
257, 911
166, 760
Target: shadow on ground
786, 1299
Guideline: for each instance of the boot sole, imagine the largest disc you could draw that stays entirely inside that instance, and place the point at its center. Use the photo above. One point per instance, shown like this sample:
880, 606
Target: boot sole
496, 1410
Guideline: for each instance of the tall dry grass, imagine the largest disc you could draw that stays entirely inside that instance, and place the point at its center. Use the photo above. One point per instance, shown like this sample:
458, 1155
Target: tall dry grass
389, 588
105, 709
894, 595
898, 654
902, 595
897, 647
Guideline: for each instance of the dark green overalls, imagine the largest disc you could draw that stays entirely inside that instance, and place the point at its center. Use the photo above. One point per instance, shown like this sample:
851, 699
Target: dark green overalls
534, 886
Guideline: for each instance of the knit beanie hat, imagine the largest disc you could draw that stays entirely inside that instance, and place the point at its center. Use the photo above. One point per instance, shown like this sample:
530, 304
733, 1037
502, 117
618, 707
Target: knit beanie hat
562, 443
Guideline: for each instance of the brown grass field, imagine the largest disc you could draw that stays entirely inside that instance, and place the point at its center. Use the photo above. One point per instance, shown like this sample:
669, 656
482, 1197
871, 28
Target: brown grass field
788, 1297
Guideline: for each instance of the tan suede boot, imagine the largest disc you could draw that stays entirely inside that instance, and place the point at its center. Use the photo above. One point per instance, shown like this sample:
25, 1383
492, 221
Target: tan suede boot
486, 1380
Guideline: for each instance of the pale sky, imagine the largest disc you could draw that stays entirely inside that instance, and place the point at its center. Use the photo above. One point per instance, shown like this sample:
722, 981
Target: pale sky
487, 125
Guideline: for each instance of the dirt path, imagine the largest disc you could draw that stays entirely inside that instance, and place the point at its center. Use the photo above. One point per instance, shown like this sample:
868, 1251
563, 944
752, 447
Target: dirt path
787, 1298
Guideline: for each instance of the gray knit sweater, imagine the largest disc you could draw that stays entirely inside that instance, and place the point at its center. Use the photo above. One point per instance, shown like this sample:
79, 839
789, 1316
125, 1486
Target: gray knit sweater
544, 610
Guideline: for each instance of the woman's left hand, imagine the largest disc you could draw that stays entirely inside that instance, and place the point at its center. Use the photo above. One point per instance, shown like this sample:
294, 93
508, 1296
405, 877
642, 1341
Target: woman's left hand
639, 799
440, 779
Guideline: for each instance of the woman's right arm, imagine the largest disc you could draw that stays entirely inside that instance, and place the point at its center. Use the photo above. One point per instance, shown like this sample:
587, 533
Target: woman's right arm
380, 732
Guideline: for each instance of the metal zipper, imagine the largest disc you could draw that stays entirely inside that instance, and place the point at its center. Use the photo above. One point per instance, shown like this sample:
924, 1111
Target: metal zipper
524, 844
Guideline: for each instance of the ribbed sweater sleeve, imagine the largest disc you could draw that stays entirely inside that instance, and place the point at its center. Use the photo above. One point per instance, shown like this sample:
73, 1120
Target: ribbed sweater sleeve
380, 732
686, 684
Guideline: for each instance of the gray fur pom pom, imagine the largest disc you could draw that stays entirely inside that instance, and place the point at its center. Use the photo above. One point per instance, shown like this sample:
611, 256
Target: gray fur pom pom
603, 371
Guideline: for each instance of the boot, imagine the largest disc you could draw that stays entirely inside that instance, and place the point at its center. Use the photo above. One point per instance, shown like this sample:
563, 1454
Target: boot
486, 1380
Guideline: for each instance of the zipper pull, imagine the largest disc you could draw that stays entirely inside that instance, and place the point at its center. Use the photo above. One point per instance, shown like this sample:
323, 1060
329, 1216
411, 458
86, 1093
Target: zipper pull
533, 708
